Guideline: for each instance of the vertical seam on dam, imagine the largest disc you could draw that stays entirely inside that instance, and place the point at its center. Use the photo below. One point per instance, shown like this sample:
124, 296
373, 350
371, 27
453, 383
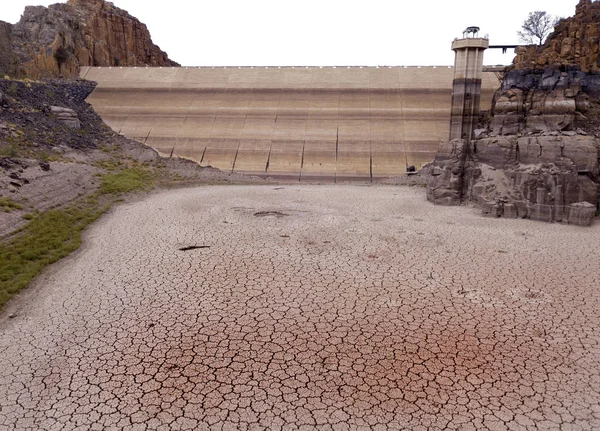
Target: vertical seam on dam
236, 156
269, 158
203, 154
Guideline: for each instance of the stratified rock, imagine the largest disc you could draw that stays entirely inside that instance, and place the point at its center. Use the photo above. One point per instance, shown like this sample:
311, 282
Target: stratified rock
534, 101
66, 116
544, 177
58, 40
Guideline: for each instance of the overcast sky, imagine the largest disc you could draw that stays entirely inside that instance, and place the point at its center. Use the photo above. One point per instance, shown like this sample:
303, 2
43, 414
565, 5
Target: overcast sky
322, 32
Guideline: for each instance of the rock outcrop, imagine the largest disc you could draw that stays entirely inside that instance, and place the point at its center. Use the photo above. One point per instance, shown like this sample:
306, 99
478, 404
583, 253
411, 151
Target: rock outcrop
547, 100
540, 177
534, 160
538, 157
574, 42
5, 47
59, 39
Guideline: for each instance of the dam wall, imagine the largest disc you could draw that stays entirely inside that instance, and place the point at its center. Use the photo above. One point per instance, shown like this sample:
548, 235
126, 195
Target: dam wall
325, 123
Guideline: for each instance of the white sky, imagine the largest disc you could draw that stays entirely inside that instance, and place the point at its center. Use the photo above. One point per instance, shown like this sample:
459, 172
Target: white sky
322, 32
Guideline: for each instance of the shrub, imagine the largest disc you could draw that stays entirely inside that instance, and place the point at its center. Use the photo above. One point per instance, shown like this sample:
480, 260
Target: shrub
7, 205
10, 151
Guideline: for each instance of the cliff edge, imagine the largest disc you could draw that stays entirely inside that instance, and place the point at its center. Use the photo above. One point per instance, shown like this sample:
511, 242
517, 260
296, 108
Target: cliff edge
58, 40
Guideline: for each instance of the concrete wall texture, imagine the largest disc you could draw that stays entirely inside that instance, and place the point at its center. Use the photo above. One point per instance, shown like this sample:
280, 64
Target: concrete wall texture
466, 91
330, 123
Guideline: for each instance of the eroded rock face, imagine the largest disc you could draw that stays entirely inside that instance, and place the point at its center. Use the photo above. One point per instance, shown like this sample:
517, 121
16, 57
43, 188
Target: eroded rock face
574, 42
543, 101
5, 47
446, 174
547, 178
58, 40
533, 161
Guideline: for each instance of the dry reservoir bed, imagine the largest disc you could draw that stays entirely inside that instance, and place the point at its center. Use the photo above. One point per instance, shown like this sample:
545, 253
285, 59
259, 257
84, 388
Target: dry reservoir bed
329, 307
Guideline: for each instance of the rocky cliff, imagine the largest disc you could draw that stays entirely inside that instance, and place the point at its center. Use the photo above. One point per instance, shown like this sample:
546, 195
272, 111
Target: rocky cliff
5, 46
537, 158
59, 39
574, 42
537, 155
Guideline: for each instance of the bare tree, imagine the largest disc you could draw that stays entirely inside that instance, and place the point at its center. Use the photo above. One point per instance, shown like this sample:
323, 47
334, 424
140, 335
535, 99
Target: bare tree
537, 27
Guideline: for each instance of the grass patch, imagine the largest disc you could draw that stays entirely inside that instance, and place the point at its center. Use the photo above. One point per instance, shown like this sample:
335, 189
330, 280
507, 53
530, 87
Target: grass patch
7, 205
126, 180
52, 235
9, 151
109, 165
47, 238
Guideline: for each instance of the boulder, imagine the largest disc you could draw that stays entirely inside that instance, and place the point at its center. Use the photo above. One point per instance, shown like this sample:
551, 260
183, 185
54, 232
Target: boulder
66, 116
581, 214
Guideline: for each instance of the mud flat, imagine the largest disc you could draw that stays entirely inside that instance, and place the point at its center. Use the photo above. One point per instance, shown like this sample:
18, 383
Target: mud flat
329, 307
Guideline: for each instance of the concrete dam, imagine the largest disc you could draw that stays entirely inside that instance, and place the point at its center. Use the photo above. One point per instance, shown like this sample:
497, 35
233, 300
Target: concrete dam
324, 123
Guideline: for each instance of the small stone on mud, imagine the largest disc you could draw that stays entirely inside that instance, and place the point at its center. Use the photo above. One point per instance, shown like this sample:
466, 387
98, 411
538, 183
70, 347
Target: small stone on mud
193, 247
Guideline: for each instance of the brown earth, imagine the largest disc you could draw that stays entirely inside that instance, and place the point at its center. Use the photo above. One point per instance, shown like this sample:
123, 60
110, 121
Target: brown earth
342, 307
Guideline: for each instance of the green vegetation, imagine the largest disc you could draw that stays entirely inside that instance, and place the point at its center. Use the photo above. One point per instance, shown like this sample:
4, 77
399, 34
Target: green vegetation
7, 205
126, 180
47, 238
109, 165
10, 151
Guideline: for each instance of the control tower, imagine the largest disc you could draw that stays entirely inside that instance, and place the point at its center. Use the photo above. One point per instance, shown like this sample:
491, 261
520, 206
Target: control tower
466, 86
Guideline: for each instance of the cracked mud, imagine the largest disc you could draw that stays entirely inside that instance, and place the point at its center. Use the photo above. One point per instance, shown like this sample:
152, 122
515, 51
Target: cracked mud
364, 308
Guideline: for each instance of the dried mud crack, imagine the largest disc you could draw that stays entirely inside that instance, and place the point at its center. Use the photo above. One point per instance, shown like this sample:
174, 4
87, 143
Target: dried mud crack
377, 313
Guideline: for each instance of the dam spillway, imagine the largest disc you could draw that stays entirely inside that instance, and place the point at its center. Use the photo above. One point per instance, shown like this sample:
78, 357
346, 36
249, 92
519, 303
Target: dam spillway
325, 123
